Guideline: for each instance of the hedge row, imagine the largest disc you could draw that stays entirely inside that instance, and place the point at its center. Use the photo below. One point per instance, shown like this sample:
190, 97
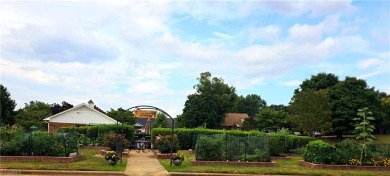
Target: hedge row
94, 132
279, 143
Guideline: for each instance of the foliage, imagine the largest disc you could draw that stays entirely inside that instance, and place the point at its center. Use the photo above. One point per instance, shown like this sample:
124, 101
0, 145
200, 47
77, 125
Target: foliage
310, 111
56, 108
7, 106
33, 113
122, 115
210, 148
347, 150
164, 144
110, 155
110, 140
208, 106
251, 104
364, 130
382, 120
270, 120
317, 82
161, 121
259, 156
346, 98
249, 124
178, 156
320, 152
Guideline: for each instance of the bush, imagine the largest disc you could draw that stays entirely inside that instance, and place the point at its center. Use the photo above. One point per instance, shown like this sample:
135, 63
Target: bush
110, 140
320, 152
347, 149
164, 144
210, 148
259, 156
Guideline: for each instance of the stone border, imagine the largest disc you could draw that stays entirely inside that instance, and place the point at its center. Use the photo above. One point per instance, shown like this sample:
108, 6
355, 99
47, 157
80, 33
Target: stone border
343, 167
57, 172
235, 163
43, 158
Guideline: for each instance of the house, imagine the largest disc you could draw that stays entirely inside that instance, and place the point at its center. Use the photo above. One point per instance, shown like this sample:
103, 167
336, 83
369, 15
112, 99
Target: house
234, 120
81, 115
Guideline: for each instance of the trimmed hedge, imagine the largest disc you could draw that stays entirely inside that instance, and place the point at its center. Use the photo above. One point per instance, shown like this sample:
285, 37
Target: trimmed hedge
320, 152
279, 143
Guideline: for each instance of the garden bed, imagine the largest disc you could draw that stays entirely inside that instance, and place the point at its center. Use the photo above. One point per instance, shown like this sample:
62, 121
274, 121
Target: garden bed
342, 167
235, 163
43, 158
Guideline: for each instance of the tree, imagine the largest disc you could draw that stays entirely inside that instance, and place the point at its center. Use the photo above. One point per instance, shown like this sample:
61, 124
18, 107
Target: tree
310, 111
7, 107
251, 104
161, 121
212, 100
249, 124
319, 82
270, 120
346, 98
382, 120
56, 108
280, 107
33, 113
122, 115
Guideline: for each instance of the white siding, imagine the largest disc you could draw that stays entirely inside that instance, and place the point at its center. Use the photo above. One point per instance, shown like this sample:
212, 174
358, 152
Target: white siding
82, 115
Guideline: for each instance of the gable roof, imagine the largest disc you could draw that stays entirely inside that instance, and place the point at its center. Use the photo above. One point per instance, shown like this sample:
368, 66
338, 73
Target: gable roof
81, 106
235, 119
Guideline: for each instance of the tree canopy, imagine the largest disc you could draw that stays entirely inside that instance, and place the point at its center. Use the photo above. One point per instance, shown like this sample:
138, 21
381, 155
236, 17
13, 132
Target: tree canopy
251, 104
33, 113
122, 115
310, 111
208, 106
7, 109
56, 108
161, 121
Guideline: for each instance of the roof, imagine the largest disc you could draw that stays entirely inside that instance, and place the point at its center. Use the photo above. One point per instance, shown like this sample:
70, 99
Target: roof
83, 105
235, 119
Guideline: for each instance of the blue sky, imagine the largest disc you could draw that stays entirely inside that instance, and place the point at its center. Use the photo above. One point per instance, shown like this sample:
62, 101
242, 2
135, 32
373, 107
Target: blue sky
122, 54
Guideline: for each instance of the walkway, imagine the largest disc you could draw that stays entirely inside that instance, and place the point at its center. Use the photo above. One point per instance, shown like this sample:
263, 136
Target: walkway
144, 164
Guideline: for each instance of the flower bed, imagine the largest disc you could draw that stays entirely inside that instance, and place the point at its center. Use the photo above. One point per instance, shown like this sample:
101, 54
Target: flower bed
43, 158
235, 163
343, 167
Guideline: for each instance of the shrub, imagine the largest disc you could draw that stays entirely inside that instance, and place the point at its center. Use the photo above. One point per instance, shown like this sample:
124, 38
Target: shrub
347, 150
110, 140
164, 144
259, 156
210, 148
320, 152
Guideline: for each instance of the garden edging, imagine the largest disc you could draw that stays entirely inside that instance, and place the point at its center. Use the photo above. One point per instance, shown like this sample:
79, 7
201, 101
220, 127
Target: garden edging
43, 158
342, 167
235, 163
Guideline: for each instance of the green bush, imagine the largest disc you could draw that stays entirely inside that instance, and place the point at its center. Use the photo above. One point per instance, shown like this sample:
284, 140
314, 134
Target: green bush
210, 147
347, 149
110, 140
259, 156
164, 144
320, 152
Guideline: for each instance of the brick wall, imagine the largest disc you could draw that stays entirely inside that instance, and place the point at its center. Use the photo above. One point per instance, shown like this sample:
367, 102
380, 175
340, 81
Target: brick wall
42, 158
53, 126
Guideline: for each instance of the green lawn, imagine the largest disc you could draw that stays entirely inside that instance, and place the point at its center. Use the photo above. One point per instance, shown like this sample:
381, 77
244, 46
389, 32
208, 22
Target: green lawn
90, 163
285, 168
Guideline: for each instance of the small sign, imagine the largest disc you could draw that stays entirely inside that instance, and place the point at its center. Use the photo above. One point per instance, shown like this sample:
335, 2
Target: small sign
145, 114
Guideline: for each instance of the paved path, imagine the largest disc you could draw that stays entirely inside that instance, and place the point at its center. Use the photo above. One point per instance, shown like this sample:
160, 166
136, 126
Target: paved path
144, 164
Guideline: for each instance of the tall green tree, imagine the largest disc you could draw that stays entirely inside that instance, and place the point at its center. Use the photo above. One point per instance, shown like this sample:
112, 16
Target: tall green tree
33, 113
161, 121
56, 108
122, 115
311, 111
270, 120
208, 106
7, 109
382, 120
251, 104
346, 98
318, 82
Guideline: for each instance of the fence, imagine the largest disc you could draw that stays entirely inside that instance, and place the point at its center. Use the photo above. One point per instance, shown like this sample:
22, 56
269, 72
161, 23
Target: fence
219, 147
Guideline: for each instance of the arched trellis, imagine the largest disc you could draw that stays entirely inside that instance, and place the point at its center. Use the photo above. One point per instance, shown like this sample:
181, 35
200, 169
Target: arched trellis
148, 107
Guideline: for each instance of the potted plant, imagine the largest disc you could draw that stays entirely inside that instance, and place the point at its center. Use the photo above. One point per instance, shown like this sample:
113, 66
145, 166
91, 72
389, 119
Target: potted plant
111, 158
178, 158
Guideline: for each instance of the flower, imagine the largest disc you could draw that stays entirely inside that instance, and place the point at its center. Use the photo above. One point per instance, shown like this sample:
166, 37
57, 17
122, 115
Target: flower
178, 156
110, 155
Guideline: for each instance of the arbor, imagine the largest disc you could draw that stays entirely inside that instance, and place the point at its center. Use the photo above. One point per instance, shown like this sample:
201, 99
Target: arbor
122, 115
33, 113
161, 121
310, 111
251, 104
212, 100
346, 98
7, 107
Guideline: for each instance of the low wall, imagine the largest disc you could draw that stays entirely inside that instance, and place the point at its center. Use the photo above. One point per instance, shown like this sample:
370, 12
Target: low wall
43, 158
235, 163
343, 167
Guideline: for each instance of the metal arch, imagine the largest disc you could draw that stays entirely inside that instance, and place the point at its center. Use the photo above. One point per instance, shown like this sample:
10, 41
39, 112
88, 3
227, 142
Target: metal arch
158, 109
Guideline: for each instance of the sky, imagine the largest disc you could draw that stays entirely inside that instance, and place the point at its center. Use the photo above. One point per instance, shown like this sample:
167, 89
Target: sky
123, 54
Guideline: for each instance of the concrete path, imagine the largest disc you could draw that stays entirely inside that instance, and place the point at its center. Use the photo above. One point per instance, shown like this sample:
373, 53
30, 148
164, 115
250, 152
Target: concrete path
144, 164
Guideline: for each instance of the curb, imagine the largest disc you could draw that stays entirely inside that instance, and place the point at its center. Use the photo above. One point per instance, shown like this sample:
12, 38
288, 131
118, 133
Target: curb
211, 174
58, 172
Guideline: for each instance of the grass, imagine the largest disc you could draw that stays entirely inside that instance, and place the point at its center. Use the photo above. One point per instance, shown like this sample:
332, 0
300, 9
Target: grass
289, 167
90, 163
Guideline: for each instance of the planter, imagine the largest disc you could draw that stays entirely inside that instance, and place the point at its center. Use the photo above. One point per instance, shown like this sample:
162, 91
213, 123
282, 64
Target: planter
177, 162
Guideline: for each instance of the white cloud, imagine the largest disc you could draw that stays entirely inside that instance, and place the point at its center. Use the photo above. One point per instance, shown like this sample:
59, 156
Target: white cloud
223, 36
268, 33
368, 63
293, 83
